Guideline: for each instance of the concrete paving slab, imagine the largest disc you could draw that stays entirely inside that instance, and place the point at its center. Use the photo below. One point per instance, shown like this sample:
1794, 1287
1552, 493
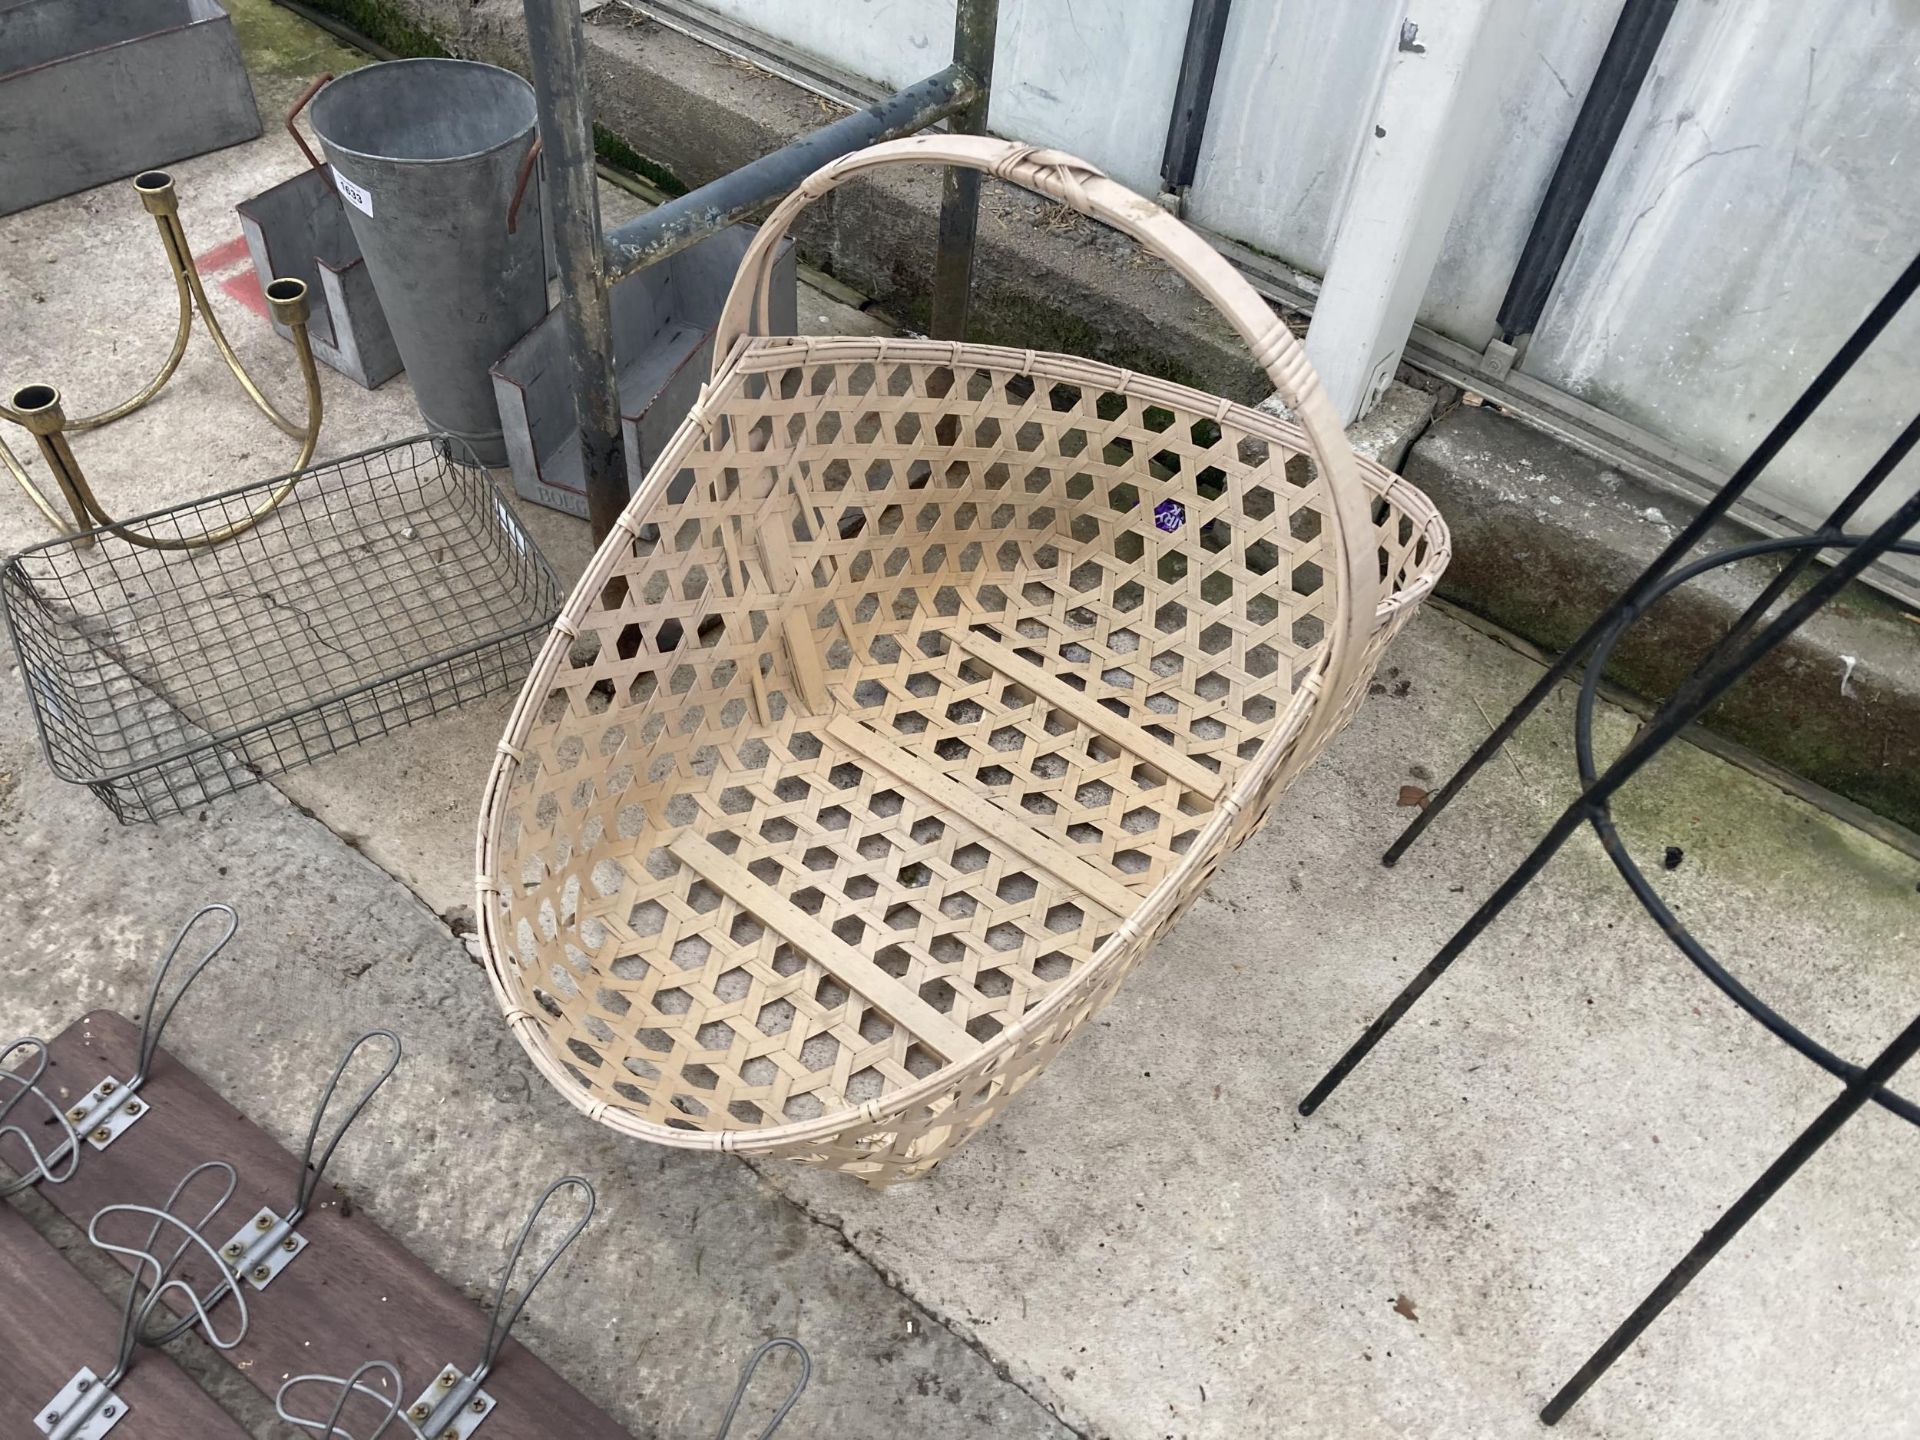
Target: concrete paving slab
690, 1261
87, 307
1151, 1244
1160, 1245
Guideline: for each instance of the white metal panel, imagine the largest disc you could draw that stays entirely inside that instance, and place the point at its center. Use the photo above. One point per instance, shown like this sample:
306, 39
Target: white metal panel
1292, 105
1091, 77
1435, 106
1760, 201
892, 42
1554, 58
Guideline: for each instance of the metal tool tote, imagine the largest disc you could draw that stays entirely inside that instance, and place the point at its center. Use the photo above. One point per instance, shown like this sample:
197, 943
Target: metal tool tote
919, 689
435, 159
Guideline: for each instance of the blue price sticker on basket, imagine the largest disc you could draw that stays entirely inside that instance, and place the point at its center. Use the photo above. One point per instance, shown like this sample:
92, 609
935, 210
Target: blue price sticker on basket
1169, 515
355, 195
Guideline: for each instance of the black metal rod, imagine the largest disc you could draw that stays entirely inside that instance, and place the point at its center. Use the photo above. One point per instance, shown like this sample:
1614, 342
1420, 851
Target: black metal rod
1650, 900
699, 213
1795, 566
1671, 719
1596, 130
975, 27
1193, 92
1789, 424
1825, 1125
557, 47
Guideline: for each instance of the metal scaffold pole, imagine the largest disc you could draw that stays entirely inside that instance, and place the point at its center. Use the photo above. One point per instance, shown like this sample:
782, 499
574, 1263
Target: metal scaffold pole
590, 261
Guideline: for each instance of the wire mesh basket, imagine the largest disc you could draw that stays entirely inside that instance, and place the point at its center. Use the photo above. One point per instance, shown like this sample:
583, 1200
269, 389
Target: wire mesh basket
393, 584
919, 689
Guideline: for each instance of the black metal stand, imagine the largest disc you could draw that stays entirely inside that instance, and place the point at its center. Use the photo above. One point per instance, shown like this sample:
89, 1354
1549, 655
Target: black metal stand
1731, 658
1677, 549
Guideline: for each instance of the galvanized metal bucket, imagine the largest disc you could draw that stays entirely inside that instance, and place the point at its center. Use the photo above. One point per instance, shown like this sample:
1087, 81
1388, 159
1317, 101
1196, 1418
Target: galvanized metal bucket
433, 159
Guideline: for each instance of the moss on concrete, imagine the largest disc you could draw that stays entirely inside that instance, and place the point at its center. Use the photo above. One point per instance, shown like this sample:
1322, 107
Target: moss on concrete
618, 152
387, 25
1546, 581
276, 42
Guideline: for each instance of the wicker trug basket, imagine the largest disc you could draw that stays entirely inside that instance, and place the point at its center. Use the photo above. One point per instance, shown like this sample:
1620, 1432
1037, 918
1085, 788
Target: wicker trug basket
921, 688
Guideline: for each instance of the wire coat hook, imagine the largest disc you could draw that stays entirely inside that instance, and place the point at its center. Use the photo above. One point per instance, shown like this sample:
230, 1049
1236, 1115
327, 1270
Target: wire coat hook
22, 1085
456, 1402
346, 1388
150, 1029
104, 1112
137, 1310
260, 1249
746, 1379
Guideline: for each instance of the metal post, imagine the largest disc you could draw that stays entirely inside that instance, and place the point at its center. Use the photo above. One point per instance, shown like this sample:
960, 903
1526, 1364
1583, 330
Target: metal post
975, 24
1596, 130
1440, 90
557, 46
692, 217
590, 262
1193, 94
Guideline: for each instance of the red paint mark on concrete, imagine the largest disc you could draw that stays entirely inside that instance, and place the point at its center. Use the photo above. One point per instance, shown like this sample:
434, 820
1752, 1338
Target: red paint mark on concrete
222, 257
245, 287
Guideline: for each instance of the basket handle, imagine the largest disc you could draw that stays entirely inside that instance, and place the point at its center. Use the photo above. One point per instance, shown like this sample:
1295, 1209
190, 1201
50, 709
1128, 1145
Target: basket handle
1076, 183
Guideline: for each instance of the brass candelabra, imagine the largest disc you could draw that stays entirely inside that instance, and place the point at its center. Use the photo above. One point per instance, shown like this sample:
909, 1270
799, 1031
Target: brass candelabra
37, 407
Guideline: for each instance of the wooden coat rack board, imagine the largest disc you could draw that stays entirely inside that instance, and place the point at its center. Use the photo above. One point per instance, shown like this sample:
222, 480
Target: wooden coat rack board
353, 1294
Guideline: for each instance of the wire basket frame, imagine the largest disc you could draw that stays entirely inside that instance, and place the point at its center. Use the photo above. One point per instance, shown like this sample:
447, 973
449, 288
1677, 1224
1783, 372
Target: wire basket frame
921, 687
395, 584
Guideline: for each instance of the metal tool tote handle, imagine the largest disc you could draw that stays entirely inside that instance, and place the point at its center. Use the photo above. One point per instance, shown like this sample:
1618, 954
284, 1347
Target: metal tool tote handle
1075, 183
306, 97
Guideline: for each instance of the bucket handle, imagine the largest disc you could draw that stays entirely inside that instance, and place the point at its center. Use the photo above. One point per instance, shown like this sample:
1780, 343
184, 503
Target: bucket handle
1076, 183
306, 95
520, 186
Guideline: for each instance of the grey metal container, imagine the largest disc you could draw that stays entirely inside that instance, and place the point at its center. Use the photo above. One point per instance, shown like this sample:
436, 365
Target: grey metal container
663, 322
427, 155
299, 229
94, 90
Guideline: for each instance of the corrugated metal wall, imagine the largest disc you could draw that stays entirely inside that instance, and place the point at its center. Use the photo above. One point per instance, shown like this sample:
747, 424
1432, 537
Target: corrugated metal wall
1759, 201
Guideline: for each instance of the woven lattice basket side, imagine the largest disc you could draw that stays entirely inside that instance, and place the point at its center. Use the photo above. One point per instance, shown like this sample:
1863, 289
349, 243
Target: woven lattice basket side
922, 688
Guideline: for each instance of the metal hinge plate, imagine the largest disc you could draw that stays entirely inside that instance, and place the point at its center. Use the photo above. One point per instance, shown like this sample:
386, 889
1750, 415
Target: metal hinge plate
106, 1112
260, 1249
82, 1395
451, 1408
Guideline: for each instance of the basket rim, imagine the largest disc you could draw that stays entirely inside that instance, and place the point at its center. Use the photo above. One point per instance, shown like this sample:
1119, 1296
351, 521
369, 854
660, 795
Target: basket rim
13, 576
760, 353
